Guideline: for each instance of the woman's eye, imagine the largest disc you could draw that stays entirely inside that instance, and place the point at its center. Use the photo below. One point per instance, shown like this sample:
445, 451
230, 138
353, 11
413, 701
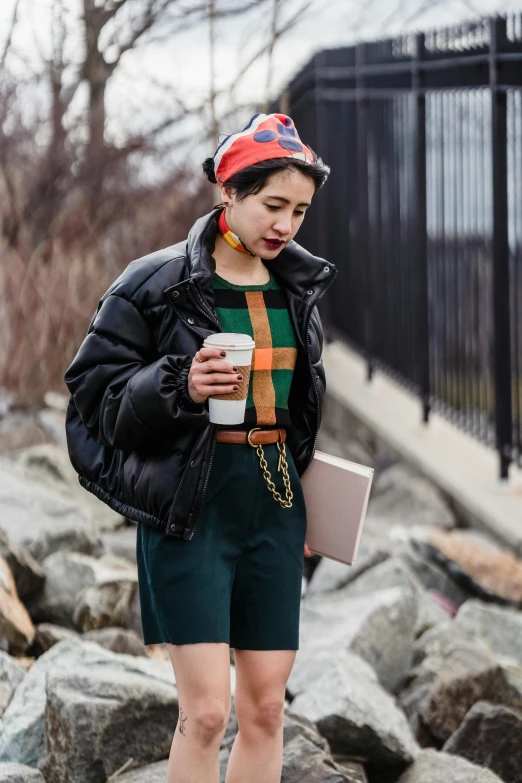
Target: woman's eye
299, 213
271, 207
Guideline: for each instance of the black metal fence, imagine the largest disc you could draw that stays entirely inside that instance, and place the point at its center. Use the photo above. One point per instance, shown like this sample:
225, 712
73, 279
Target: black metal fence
423, 214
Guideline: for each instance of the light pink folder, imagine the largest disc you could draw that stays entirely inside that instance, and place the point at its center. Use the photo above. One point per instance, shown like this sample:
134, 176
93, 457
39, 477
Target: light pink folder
336, 493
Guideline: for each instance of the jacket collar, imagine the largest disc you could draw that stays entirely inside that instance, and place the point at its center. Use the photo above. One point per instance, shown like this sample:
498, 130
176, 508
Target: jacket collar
298, 271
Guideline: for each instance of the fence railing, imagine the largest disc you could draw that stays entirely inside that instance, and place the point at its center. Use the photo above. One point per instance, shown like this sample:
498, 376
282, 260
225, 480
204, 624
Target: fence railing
423, 214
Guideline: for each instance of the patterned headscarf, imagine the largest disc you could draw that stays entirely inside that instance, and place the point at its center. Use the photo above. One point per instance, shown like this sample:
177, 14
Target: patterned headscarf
266, 136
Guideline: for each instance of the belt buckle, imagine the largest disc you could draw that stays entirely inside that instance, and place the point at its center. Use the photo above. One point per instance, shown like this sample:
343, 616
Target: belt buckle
254, 445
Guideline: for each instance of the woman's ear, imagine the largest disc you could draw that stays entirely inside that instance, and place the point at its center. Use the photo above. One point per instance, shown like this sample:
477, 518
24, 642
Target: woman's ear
227, 195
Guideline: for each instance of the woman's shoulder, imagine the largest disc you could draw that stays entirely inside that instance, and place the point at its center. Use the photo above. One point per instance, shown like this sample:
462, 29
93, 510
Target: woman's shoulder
144, 279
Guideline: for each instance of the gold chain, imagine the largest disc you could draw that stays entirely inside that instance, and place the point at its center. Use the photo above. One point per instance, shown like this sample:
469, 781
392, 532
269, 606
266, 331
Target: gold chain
282, 463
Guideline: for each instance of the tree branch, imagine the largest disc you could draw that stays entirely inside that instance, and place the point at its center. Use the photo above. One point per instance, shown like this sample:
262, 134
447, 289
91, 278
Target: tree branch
10, 32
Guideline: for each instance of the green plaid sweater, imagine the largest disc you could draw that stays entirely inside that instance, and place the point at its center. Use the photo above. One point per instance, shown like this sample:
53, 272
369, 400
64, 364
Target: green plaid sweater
261, 311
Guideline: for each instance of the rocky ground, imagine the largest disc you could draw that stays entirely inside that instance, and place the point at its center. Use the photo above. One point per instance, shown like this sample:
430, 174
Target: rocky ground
410, 661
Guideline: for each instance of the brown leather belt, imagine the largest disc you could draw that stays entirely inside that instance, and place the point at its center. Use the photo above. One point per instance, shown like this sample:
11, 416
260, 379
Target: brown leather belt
257, 436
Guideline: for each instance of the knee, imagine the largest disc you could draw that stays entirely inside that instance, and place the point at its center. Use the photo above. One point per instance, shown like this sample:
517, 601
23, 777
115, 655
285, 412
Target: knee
266, 713
209, 722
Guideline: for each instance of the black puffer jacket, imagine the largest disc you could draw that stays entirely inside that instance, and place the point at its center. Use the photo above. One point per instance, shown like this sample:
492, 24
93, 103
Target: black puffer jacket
135, 437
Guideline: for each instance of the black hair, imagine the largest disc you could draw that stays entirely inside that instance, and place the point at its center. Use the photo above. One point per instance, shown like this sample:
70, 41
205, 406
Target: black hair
252, 179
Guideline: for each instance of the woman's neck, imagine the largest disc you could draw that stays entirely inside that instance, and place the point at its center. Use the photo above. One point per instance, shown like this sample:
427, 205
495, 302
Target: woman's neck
238, 268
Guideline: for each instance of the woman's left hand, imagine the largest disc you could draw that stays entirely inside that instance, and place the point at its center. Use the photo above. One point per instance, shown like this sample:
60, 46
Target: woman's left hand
308, 552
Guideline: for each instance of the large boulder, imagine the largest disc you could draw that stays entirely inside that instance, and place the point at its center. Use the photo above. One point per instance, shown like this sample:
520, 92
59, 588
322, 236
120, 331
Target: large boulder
446, 687
49, 466
380, 627
402, 496
356, 715
119, 640
73, 539
491, 736
12, 772
96, 719
16, 628
430, 766
331, 575
47, 635
28, 574
500, 628
28, 507
22, 725
11, 675
85, 593
19, 430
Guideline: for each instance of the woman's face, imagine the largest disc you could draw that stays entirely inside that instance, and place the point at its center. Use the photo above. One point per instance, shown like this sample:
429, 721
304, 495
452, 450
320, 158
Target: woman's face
268, 220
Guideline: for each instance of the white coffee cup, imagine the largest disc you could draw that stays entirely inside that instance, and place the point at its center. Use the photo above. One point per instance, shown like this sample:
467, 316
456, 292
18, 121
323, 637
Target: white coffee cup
230, 408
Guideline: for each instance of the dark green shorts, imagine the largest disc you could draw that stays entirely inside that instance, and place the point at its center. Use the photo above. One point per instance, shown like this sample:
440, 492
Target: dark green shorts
238, 580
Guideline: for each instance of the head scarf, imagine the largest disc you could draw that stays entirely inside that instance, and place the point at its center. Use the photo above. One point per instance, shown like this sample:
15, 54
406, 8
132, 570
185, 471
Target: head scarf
266, 136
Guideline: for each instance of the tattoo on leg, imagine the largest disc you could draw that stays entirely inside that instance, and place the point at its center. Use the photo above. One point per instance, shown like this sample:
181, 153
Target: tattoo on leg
182, 721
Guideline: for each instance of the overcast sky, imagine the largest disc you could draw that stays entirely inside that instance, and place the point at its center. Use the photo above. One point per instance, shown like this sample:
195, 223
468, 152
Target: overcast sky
184, 61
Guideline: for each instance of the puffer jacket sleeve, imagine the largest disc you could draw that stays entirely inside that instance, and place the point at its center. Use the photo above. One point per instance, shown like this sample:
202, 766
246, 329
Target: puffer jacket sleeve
122, 397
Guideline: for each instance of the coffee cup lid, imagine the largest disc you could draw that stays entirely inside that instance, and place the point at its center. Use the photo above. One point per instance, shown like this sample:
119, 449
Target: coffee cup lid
229, 340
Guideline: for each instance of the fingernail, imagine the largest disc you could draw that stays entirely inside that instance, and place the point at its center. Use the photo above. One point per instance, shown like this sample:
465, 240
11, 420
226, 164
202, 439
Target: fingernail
222, 353
240, 377
235, 369
235, 388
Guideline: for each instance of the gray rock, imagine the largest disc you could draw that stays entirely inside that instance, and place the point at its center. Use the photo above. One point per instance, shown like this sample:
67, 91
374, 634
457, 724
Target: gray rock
73, 539
53, 423
331, 575
491, 736
356, 715
430, 766
96, 719
298, 726
429, 615
400, 495
11, 675
121, 542
22, 725
27, 572
48, 635
16, 628
438, 641
445, 689
67, 598
391, 572
133, 619
498, 627
119, 640
104, 605
379, 627
303, 760
19, 773
29, 508
150, 773
19, 430
431, 576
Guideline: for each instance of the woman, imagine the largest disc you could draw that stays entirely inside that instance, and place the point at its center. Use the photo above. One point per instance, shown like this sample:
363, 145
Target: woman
220, 509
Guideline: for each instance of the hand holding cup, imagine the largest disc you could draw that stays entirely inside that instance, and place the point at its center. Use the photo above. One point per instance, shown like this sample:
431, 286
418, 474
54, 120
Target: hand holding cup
211, 375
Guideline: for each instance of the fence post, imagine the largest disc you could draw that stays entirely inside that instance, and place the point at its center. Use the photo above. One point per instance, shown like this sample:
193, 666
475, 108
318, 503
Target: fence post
421, 230
324, 222
361, 108
501, 308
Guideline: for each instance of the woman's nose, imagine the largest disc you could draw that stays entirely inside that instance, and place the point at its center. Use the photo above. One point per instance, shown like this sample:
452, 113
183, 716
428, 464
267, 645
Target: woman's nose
283, 225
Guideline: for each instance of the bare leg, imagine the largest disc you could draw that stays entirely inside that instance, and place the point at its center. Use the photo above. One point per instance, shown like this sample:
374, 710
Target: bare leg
257, 752
202, 673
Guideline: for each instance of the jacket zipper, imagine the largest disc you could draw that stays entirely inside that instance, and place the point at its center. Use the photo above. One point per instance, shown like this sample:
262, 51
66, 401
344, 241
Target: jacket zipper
192, 529
309, 355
